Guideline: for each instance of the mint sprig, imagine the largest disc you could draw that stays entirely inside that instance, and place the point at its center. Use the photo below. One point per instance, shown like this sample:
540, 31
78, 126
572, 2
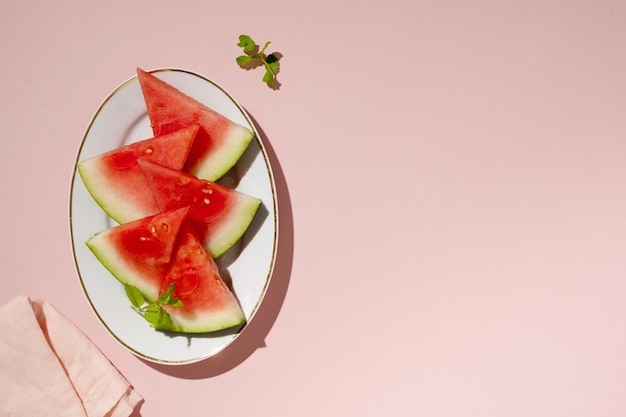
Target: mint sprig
153, 312
255, 57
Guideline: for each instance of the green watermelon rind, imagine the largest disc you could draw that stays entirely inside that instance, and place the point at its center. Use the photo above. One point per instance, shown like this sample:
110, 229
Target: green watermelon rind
215, 321
113, 204
216, 165
221, 240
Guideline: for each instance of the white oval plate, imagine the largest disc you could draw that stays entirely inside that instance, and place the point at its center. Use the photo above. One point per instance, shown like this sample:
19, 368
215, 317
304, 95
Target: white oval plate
121, 119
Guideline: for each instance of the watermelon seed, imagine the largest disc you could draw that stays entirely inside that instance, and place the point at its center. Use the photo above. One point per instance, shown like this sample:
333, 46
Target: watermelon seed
207, 201
207, 191
149, 150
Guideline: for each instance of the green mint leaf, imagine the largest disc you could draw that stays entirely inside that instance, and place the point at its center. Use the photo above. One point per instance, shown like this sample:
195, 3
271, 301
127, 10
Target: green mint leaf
154, 313
268, 78
165, 321
134, 295
158, 317
270, 61
165, 296
175, 302
272, 67
264, 48
243, 60
246, 43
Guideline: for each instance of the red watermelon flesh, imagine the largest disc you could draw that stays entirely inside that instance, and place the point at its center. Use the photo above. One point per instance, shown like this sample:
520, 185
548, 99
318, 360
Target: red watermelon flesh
138, 253
208, 303
221, 214
119, 186
220, 142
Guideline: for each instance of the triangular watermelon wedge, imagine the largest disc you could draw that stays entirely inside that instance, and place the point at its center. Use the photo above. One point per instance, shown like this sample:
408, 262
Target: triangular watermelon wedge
220, 142
221, 214
118, 185
208, 303
138, 253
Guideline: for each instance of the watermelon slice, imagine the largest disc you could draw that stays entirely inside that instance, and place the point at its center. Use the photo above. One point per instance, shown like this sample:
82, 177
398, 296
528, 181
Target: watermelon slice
139, 252
221, 214
208, 303
220, 142
118, 185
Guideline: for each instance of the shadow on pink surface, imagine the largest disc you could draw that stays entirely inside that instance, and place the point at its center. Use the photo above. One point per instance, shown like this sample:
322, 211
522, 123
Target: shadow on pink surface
253, 336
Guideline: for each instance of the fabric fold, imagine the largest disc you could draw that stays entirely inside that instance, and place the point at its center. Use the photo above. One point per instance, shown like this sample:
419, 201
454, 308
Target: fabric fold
49, 367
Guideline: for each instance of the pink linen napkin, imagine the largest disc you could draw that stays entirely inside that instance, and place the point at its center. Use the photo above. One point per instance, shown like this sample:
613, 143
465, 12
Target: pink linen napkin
49, 367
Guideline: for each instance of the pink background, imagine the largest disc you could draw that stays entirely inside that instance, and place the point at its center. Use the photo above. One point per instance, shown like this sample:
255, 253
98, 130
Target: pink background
452, 190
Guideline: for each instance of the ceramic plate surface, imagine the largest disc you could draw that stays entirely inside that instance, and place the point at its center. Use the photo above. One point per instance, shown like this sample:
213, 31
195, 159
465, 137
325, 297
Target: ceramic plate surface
122, 119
